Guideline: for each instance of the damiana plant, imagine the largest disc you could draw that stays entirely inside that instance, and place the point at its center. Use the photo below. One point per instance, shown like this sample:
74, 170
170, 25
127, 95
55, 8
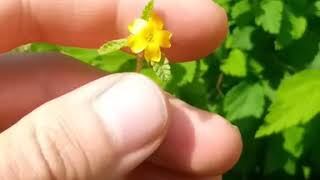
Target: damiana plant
146, 40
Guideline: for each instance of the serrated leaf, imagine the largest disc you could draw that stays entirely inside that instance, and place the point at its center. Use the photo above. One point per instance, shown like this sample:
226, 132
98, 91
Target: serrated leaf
112, 46
162, 69
235, 64
297, 102
293, 141
241, 38
244, 100
271, 16
147, 11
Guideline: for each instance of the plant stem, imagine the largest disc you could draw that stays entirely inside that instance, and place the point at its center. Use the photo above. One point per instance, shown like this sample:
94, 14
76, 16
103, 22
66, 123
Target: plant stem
139, 63
219, 84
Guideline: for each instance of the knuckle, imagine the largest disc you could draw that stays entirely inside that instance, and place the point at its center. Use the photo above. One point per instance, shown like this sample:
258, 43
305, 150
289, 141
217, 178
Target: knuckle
59, 148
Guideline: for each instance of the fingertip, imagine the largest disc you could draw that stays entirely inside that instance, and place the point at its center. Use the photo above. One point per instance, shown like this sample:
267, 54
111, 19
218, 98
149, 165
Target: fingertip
220, 146
204, 143
198, 29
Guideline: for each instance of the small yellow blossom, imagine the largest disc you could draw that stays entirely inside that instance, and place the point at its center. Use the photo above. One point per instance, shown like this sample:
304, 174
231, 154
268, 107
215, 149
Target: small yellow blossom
149, 36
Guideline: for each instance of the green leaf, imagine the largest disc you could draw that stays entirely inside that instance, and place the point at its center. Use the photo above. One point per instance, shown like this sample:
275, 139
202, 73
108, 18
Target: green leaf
43, 47
240, 8
293, 140
235, 64
271, 16
85, 55
162, 69
191, 93
112, 46
306, 172
255, 67
268, 90
293, 28
241, 38
299, 26
147, 11
290, 166
244, 100
315, 64
316, 8
224, 3
297, 102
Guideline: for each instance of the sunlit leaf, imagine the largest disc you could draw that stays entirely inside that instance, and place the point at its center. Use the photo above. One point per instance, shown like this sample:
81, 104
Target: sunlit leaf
271, 15
235, 64
297, 102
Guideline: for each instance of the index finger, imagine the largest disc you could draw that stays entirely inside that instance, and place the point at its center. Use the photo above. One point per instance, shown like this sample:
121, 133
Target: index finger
198, 27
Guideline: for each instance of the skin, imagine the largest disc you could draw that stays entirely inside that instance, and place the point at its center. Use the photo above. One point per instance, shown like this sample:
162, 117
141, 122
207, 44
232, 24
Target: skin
211, 145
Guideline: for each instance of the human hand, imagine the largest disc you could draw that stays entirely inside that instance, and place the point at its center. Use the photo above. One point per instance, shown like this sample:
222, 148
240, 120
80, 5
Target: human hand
120, 126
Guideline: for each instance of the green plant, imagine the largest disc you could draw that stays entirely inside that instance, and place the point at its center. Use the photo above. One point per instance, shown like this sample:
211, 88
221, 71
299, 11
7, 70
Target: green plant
265, 79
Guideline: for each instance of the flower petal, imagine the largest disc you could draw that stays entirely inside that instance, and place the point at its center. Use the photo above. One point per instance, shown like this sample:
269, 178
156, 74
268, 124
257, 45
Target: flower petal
152, 53
137, 26
163, 38
137, 43
156, 21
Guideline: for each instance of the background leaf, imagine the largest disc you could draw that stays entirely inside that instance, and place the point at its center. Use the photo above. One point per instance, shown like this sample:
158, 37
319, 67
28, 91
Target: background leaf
241, 38
270, 16
243, 101
293, 141
235, 64
297, 102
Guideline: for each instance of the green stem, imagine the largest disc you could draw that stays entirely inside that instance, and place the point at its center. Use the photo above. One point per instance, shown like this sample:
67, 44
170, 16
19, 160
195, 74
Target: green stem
219, 84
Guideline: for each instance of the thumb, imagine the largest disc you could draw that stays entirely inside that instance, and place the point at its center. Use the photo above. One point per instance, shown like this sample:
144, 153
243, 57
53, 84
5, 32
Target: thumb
99, 131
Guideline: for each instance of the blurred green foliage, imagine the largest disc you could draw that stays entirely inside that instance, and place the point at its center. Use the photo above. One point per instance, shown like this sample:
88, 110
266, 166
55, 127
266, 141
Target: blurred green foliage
265, 78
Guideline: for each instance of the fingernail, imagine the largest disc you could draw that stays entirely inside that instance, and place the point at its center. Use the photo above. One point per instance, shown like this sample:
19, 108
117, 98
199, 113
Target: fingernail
133, 111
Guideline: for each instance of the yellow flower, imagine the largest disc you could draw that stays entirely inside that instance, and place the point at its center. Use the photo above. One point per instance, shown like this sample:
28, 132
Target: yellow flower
149, 36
